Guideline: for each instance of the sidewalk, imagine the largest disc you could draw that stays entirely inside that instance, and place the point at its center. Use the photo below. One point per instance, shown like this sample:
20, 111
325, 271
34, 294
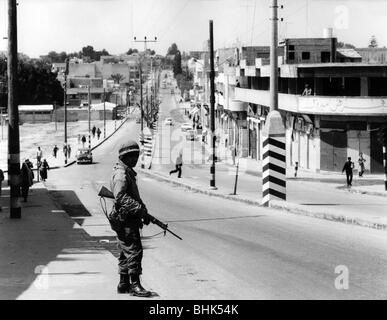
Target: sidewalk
322, 195
45, 255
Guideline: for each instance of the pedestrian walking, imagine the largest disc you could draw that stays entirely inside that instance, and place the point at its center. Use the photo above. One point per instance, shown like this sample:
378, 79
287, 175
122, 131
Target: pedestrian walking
93, 131
44, 167
348, 168
1, 182
296, 169
64, 150
131, 214
361, 164
178, 164
39, 155
31, 166
98, 133
55, 151
26, 179
79, 138
68, 151
83, 141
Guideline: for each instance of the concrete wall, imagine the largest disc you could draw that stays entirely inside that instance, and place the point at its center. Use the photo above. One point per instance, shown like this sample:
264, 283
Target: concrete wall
34, 117
312, 45
82, 70
82, 115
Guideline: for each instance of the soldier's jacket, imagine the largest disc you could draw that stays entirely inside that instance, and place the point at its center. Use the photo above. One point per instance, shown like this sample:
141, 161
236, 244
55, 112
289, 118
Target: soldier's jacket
128, 204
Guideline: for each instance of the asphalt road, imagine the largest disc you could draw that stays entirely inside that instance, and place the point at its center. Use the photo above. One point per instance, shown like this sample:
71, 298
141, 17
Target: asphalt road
229, 250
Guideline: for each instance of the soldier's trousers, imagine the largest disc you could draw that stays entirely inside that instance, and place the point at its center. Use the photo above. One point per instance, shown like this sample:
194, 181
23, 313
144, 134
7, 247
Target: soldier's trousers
129, 244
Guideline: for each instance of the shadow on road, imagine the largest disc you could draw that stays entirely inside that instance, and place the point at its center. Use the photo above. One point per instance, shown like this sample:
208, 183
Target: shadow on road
28, 245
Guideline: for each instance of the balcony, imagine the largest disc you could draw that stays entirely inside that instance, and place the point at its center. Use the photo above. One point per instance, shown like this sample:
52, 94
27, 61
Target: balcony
320, 105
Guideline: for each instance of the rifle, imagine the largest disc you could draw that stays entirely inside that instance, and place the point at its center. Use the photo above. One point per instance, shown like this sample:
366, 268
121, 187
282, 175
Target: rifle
106, 193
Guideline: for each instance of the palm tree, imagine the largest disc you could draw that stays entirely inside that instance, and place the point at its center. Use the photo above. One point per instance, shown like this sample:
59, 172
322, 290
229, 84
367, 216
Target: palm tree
117, 77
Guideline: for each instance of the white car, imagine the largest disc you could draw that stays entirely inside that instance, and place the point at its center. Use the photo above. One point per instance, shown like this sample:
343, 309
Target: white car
186, 126
168, 122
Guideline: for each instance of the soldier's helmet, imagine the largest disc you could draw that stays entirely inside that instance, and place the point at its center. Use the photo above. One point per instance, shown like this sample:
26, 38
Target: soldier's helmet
129, 147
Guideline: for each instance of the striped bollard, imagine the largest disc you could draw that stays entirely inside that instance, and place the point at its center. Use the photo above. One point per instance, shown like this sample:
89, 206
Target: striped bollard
274, 160
147, 147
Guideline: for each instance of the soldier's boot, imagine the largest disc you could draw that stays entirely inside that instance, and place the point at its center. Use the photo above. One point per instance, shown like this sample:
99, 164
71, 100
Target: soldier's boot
136, 289
123, 285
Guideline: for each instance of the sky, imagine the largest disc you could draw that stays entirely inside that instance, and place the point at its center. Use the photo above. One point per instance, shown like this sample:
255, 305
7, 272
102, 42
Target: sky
69, 25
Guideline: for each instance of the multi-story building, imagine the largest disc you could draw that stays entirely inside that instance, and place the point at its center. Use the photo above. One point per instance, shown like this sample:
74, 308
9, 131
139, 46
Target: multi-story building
338, 118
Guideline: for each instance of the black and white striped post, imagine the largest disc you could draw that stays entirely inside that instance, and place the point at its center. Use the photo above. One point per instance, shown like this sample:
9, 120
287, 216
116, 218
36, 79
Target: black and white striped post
148, 141
273, 160
274, 147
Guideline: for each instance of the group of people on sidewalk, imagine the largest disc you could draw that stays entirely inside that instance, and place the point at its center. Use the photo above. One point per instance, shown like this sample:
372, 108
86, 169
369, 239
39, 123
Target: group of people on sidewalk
27, 175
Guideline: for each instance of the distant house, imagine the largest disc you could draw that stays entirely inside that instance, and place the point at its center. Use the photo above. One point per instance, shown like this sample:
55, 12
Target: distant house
35, 113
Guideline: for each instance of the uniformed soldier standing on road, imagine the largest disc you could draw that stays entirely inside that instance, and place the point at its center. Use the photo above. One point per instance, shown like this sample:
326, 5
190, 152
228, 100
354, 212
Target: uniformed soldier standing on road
131, 213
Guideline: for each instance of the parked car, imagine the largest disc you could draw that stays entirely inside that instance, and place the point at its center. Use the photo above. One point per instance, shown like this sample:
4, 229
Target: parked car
191, 135
84, 155
168, 122
186, 126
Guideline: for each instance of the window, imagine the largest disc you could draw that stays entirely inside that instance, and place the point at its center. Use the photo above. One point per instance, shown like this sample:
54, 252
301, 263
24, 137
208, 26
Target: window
325, 56
291, 47
291, 56
305, 55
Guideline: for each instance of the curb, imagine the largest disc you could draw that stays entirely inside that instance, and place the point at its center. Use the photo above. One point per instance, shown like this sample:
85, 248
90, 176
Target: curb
278, 205
97, 145
371, 193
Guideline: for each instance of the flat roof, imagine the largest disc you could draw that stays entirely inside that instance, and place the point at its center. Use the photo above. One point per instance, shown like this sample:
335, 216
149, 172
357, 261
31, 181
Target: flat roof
42, 107
337, 64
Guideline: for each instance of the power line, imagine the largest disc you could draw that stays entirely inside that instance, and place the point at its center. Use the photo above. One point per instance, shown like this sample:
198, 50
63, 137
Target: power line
169, 25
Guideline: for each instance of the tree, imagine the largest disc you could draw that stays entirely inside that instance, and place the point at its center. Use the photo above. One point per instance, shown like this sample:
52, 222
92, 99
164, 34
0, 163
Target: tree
373, 42
172, 50
117, 77
131, 51
36, 83
93, 55
177, 64
150, 52
345, 45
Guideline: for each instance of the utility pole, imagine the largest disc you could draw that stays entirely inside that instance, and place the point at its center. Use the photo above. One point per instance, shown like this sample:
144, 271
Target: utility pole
65, 105
56, 126
104, 114
147, 106
1, 110
145, 41
13, 114
274, 148
212, 106
142, 121
89, 103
